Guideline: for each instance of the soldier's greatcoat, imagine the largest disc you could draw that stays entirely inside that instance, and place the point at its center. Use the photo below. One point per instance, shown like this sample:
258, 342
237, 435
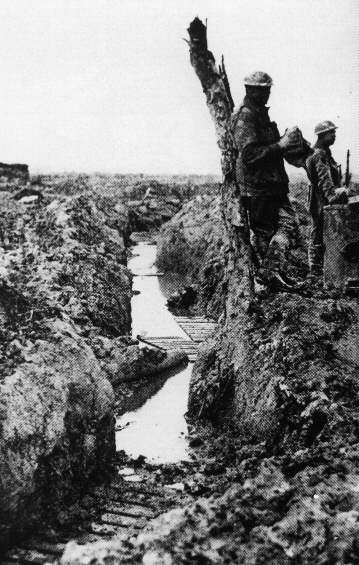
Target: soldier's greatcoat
324, 177
259, 167
263, 184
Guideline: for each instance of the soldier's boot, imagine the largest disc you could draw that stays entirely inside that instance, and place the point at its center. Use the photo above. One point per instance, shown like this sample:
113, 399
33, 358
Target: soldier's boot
273, 267
273, 280
283, 282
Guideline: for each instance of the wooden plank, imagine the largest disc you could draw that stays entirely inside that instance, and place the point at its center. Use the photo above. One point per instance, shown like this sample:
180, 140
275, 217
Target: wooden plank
106, 529
165, 337
45, 547
29, 556
161, 339
133, 502
169, 346
124, 521
187, 349
190, 330
205, 334
88, 537
197, 329
193, 321
191, 333
191, 318
132, 510
140, 338
132, 488
200, 326
200, 335
173, 344
196, 322
192, 349
169, 341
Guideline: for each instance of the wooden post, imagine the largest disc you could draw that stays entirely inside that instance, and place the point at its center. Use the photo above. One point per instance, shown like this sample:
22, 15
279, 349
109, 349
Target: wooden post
341, 240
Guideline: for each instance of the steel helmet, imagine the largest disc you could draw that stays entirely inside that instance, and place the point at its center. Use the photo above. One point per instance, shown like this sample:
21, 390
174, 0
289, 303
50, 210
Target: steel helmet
322, 127
258, 78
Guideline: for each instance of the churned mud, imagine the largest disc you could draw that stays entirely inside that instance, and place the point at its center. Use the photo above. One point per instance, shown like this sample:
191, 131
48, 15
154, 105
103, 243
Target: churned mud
267, 464
65, 324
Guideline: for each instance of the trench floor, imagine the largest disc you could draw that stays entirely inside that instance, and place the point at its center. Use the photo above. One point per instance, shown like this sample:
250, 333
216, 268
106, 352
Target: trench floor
133, 497
132, 501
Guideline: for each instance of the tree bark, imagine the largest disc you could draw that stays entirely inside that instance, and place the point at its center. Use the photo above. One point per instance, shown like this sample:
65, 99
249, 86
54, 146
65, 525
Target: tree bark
215, 85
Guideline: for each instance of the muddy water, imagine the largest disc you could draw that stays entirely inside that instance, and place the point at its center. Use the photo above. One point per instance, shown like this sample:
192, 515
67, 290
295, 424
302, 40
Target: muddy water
158, 428
150, 315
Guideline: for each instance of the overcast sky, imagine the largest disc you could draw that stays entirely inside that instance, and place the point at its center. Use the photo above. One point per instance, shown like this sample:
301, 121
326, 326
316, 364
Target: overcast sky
106, 85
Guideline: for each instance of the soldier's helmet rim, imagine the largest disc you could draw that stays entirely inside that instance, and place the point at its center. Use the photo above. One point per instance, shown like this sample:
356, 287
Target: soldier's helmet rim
258, 78
324, 126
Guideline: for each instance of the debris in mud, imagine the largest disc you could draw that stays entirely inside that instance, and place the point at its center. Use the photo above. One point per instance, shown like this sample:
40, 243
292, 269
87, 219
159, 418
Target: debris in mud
182, 299
176, 486
134, 478
126, 471
195, 441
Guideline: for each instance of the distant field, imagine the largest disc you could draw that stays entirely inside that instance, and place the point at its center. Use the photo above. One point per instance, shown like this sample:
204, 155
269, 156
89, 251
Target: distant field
135, 187
130, 187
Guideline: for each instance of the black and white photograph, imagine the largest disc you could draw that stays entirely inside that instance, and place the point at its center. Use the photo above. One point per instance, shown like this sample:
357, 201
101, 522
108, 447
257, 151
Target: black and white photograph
179, 282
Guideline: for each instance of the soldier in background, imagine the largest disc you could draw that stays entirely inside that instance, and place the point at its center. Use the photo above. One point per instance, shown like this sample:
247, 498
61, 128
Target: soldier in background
263, 182
325, 178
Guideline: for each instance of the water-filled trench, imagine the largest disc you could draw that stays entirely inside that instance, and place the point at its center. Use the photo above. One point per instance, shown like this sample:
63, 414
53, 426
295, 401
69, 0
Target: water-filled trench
157, 429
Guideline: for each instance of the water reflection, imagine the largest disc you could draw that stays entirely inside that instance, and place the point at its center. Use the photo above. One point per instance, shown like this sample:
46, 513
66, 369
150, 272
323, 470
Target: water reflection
150, 315
157, 430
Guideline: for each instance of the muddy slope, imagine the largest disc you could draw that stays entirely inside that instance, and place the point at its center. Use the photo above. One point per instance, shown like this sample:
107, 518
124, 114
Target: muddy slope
284, 380
193, 243
62, 278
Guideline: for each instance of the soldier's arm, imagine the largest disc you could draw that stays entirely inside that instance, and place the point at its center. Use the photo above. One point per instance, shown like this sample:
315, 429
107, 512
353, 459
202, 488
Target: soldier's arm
248, 143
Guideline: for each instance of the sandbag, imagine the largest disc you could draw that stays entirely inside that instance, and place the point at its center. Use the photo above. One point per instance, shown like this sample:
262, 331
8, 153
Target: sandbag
297, 154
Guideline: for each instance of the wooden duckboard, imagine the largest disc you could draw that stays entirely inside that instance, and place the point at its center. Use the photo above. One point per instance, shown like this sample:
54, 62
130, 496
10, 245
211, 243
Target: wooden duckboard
198, 330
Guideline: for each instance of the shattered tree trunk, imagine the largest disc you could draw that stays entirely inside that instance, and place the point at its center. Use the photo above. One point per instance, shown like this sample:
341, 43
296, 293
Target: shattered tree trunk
215, 85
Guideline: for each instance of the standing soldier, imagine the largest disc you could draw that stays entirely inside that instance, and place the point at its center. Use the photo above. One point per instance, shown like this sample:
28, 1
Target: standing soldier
324, 175
262, 180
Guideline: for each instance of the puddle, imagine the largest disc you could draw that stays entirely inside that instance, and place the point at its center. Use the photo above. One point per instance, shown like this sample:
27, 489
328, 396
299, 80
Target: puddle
157, 429
150, 316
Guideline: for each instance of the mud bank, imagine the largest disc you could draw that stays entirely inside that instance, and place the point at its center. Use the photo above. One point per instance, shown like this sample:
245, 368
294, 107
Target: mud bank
283, 381
63, 279
193, 244
65, 323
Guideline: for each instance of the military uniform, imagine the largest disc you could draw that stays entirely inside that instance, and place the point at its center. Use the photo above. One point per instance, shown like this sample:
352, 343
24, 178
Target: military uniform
263, 184
324, 175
